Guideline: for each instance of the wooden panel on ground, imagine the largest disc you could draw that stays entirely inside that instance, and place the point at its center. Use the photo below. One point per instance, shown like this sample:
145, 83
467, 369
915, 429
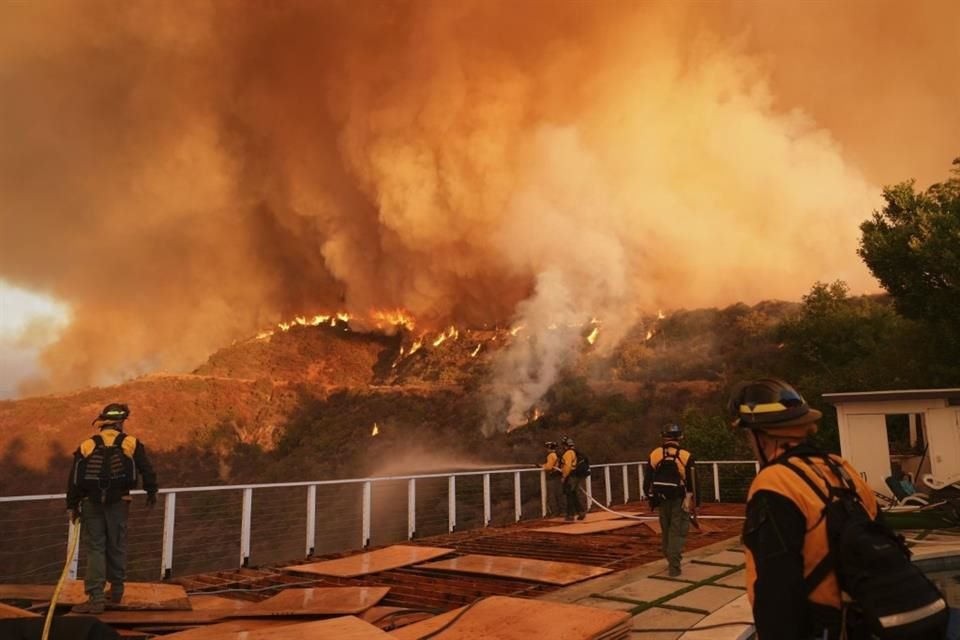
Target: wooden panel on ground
560, 573
342, 628
136, 595
361, 564
218, 603
579, 529
505, 618
596, 516
392, 616
705, 527
174, 617
7, 611
318, 601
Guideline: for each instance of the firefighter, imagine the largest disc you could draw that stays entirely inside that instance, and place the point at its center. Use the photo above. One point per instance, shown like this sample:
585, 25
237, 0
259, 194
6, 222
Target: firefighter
554, 477
670, 487
105, 468
570, 481
785, 533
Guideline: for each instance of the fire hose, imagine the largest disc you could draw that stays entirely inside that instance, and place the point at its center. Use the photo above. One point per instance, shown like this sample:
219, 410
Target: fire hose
649, 518
71, 550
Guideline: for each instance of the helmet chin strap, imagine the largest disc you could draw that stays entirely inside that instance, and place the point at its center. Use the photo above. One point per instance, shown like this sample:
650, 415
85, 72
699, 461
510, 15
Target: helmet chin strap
761, 450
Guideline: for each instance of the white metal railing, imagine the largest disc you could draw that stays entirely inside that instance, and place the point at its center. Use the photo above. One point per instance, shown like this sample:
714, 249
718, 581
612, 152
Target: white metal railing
366, 486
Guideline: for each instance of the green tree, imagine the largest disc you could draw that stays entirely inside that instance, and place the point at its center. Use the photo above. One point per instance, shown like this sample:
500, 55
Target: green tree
912, 247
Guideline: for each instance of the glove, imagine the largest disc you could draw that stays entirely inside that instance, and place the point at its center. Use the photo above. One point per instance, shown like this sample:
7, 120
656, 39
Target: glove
688, 503
151, 500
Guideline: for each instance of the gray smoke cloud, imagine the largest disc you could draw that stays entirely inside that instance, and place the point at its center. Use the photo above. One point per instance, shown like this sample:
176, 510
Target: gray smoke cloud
181, 175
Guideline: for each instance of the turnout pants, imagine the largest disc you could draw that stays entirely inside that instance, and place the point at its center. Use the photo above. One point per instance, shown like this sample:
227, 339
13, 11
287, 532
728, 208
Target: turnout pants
555, 497
104, 539
674, 524
571, 491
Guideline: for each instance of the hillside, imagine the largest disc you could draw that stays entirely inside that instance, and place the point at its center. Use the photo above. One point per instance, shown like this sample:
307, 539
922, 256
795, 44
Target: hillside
302, 403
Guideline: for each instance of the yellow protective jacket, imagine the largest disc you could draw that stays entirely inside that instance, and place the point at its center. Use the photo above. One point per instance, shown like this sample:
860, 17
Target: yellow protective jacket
568, 462
778, 479
131, 448
683, 457
552, 462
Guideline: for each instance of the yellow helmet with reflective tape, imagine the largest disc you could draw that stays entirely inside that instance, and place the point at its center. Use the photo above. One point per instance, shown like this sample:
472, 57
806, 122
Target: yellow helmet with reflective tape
769, 404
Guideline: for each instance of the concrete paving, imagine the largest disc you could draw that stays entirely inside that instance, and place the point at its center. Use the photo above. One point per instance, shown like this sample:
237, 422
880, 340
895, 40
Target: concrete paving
654, 595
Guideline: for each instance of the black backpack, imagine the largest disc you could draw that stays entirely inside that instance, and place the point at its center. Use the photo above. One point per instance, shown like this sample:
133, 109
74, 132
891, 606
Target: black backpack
667, 481
582, 470
872, 563
106, 474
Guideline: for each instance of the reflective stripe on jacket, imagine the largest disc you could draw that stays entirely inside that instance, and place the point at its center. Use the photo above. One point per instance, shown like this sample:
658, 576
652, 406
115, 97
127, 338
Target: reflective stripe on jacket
779, 479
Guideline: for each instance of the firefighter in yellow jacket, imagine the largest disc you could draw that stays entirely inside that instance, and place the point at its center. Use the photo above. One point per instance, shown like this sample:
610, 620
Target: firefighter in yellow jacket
105, 468
793, 589
554, 479
669, 485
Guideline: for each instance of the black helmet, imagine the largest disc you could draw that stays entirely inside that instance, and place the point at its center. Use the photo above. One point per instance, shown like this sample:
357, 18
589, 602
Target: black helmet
114, 412
672, 431
769, 403
550, 444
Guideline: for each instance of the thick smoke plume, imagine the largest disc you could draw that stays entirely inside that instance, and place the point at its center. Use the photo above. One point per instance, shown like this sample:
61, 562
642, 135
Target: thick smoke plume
181, 174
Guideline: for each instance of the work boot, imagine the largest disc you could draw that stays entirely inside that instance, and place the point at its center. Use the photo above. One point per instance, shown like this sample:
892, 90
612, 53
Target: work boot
581, 516
568, 518
115, 597
674, 572
91, 606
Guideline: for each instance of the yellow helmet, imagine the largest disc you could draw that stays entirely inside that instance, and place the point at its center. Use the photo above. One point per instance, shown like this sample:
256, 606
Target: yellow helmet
769, 404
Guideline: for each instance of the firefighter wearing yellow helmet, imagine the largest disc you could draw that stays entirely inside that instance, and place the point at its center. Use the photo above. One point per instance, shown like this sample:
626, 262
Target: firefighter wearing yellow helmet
800, 571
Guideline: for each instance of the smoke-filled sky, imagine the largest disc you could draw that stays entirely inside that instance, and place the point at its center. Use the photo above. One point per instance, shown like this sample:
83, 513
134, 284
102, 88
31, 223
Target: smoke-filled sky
179, 175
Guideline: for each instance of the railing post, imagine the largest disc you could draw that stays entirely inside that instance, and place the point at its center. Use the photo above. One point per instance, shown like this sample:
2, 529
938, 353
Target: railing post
411, 508
543, 493
245, 527
589, 493
365, 524
640, 479
517, 498
486, 499
626, 484
716, 482
72, 531
169, 520
452, 503
311, 519
606, 485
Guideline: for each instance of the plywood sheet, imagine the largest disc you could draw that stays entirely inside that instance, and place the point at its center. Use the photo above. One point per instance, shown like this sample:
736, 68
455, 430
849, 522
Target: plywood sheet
319, 601
174, 617
504, 618
361, 564
582, 528
560, 573
136, 595
343, 628
6, 612
596, 516
218, 603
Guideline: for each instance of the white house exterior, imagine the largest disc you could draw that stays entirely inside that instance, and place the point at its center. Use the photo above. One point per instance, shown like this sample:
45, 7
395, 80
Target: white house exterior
934, 417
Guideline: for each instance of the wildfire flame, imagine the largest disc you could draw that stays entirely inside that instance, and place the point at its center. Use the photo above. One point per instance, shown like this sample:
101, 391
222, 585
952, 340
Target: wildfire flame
537, 414
450, 334
415, 346
592, 338
515, 330
660, 315
649, 334
376, 430
394, 318
474, 353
